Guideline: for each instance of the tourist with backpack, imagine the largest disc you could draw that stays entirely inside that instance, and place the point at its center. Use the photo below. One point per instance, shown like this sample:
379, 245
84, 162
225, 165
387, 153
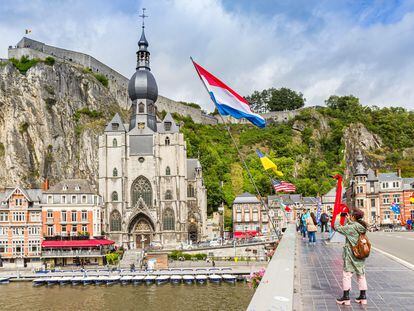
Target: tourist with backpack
303, 218
312, 227
356, 249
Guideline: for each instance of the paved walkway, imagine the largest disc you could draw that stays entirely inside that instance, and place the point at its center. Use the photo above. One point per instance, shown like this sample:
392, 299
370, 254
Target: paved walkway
318, 279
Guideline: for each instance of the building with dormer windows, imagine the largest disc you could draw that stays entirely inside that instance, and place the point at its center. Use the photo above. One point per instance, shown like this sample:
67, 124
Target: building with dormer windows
152, 192
20, 227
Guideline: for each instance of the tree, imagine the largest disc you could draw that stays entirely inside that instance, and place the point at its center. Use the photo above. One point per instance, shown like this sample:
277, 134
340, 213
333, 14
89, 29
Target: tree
276, 100
344, 103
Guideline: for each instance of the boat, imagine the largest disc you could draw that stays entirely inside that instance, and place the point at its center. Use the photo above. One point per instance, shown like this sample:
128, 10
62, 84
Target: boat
188, 279
229, 278
100, 279
77, 280
65, 280
150, 279
39, 281
138, 279
176, 279
215, 278
53, 280
162, 279
88, 280
126, 279
112, 279
201, 279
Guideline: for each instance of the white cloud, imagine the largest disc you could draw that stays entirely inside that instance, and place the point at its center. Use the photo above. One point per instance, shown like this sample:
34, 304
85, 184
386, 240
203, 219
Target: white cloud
326, 54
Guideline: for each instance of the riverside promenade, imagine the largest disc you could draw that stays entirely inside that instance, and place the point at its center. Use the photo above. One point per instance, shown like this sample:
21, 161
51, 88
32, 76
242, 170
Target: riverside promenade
318, 279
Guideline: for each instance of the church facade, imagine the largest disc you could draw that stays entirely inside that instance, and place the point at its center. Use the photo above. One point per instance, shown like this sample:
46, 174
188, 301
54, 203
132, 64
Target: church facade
152, 192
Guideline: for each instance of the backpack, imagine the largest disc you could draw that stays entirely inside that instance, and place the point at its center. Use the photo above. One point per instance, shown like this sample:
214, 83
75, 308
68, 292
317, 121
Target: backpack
324, 218
363, 247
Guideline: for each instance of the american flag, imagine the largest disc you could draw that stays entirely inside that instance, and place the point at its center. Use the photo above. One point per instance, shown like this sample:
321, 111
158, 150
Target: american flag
283, 186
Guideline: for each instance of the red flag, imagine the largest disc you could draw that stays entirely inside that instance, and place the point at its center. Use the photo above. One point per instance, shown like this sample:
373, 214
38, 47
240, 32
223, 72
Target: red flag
338, 199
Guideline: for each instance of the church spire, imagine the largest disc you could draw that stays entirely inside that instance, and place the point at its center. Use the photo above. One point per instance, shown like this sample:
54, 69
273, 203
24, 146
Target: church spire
143, 55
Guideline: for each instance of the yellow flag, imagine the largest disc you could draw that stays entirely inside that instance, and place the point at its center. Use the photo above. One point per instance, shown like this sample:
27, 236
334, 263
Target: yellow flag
269, 165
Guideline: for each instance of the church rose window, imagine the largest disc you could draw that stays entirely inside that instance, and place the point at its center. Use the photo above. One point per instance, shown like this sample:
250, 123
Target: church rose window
167, 171
115, 172
141, 188
168, 195
114, 196
167, 141
115, 221
114, 143
141, 108
168, 219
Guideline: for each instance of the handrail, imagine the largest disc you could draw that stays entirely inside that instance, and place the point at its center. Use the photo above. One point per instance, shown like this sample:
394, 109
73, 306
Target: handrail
275, 291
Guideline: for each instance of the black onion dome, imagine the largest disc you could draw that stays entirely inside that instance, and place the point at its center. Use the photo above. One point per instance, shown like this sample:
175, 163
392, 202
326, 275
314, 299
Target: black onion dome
142, 85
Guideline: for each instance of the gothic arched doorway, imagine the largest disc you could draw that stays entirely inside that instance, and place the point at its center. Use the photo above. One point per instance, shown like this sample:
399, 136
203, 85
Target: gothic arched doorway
193, 233
141, 231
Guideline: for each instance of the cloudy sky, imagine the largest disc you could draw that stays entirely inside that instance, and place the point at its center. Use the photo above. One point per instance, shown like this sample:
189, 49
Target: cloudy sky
359, 47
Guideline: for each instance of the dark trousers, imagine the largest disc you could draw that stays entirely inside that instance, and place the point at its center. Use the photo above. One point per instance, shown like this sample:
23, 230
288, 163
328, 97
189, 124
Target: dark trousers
324, 227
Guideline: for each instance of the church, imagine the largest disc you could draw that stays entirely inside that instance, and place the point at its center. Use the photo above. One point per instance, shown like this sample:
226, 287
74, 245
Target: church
152, 192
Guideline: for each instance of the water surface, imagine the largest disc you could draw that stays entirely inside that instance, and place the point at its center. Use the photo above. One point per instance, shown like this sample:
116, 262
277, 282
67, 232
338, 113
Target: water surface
23, 296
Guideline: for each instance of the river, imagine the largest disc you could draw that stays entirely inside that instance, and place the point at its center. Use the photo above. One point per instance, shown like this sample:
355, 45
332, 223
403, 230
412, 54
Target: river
23, 296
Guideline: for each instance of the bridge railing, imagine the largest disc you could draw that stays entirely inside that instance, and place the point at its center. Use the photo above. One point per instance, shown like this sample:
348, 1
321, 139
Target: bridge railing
275, 291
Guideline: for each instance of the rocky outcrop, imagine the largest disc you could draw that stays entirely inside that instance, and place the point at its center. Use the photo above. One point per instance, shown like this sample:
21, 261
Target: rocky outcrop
49, 121
358, 139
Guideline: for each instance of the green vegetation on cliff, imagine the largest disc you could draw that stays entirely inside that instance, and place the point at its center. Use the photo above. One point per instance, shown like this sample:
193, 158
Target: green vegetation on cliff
308, 149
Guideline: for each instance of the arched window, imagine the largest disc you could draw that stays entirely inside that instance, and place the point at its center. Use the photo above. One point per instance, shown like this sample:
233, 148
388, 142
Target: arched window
168, 195
190, 191
167, 171
114, 143
168, 219
167, 141
115, 172
115, 221
141, 108
114, 196
141, 188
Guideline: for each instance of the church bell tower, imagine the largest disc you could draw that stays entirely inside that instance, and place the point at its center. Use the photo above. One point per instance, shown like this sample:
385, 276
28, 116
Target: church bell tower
142, 88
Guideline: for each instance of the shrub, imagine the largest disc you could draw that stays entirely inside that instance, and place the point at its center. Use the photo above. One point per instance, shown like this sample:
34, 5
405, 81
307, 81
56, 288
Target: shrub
112, 258
187, 256
50, 102
94, 114
49, 61
101, 78
24, 64
87, 70
2, 150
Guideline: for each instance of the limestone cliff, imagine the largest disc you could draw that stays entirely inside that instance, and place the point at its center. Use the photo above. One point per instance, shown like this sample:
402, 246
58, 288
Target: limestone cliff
49, 120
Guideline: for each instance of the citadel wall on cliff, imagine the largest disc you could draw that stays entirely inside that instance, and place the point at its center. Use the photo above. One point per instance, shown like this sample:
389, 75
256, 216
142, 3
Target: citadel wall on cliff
118, 84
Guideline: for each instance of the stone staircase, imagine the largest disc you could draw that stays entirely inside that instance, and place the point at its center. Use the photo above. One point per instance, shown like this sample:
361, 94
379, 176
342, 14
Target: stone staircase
131, 256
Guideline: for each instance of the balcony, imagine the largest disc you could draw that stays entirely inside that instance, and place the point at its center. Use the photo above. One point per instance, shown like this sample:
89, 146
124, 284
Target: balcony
71, 253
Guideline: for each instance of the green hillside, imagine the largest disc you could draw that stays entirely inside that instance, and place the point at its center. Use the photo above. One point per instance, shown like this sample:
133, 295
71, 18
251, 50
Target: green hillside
307, 149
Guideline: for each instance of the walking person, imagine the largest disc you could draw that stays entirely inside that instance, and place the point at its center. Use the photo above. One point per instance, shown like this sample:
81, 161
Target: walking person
305, 215
352, 229
324, 223
312, 227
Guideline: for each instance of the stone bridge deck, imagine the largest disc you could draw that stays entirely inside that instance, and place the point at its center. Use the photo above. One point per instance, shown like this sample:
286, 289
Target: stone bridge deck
318, 278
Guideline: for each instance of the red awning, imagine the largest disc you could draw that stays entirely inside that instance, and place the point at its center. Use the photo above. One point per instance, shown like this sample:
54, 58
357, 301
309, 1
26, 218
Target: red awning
245, 234
77, 243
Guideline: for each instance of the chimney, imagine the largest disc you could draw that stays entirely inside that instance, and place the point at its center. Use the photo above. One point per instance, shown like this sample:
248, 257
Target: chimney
45, 185
399, 172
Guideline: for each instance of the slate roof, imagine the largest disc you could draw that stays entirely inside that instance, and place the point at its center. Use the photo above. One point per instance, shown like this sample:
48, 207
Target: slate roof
34, 195
192, 164
245, 198
388, 176
71, 184
371, 175
116, 119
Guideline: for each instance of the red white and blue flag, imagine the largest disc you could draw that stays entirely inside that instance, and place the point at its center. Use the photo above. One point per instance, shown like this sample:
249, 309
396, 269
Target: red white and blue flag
227, 101
283, 186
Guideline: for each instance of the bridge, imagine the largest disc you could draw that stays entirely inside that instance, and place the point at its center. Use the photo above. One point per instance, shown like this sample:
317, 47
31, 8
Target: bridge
304, 277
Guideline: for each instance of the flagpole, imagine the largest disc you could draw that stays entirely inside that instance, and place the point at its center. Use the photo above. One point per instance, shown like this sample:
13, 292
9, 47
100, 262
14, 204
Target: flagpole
238, 151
